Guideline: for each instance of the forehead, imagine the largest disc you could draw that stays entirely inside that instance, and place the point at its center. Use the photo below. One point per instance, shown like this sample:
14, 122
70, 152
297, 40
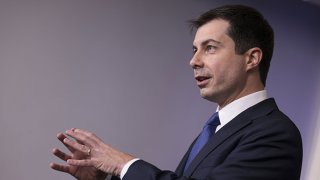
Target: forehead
215, 30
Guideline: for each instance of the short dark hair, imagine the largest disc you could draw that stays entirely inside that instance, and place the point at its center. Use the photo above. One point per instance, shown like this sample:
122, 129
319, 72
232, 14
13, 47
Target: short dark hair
248, 29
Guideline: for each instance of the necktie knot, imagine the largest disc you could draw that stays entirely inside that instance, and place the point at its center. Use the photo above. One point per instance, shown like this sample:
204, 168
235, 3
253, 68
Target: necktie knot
213, 120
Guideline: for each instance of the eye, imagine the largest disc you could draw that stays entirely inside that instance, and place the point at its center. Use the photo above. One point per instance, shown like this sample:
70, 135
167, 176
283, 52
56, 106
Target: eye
195, 50
211, 49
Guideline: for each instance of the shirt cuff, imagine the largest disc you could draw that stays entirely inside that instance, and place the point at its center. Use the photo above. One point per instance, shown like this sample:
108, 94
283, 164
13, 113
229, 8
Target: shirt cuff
127, 166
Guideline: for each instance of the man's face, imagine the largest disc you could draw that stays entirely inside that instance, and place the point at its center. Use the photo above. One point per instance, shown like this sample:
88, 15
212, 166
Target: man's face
220, 73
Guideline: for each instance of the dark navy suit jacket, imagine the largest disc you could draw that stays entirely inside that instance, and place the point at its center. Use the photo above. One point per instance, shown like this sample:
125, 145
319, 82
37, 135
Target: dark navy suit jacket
261, 143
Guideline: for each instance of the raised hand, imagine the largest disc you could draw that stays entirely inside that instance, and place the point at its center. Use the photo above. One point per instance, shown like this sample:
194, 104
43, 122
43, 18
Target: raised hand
97, 154
79, 172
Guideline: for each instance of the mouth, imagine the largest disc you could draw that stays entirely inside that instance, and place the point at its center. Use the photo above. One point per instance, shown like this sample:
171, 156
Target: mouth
202, 81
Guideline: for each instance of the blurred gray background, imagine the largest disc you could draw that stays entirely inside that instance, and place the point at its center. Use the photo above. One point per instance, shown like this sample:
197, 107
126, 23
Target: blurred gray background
120, 69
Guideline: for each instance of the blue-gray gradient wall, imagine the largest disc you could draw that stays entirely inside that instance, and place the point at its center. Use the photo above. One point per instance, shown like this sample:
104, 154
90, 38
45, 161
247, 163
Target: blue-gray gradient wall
120, 69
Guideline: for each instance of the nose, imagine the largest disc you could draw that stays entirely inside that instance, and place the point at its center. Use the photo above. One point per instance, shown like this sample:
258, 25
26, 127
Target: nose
196, 61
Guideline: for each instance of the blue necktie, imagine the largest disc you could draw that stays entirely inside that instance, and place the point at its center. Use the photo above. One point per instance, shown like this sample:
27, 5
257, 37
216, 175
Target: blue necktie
207, 132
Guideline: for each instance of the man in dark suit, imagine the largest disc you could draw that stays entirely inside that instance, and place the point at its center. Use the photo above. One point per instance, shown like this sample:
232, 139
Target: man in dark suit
248, 138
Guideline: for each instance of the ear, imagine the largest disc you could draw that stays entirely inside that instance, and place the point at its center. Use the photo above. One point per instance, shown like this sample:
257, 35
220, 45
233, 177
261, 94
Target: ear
253, 58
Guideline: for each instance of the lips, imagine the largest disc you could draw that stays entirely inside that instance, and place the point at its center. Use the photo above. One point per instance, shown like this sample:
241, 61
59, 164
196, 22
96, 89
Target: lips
202, 81
201, 78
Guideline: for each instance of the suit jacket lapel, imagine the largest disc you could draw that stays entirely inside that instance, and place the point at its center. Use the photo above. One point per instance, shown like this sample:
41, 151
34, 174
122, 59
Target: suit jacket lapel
213, 143
238, 123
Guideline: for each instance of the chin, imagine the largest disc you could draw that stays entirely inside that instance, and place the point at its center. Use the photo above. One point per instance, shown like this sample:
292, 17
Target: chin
207, 95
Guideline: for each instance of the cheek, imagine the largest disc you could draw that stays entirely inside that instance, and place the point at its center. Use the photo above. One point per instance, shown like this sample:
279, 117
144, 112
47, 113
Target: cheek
230, 72
225, 67
237, 73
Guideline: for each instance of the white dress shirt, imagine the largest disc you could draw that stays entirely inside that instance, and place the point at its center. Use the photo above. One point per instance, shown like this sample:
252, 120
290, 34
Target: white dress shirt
230, 111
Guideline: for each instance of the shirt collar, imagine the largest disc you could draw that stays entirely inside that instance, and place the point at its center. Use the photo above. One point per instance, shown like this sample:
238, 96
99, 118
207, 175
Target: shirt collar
230, 111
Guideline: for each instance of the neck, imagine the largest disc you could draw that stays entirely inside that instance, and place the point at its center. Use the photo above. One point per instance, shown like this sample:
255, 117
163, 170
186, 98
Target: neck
249, 90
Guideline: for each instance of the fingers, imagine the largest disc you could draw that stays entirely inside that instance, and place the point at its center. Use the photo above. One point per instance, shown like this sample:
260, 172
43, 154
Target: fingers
61, 137
63, 156
77, 147
60, 167
84, 137
84, 162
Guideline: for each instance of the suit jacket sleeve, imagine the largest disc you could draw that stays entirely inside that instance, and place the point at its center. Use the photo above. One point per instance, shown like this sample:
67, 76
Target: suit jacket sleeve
145, 171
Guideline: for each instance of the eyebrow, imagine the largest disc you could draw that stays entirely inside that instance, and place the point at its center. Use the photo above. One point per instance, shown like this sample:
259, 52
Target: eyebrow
204, 43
